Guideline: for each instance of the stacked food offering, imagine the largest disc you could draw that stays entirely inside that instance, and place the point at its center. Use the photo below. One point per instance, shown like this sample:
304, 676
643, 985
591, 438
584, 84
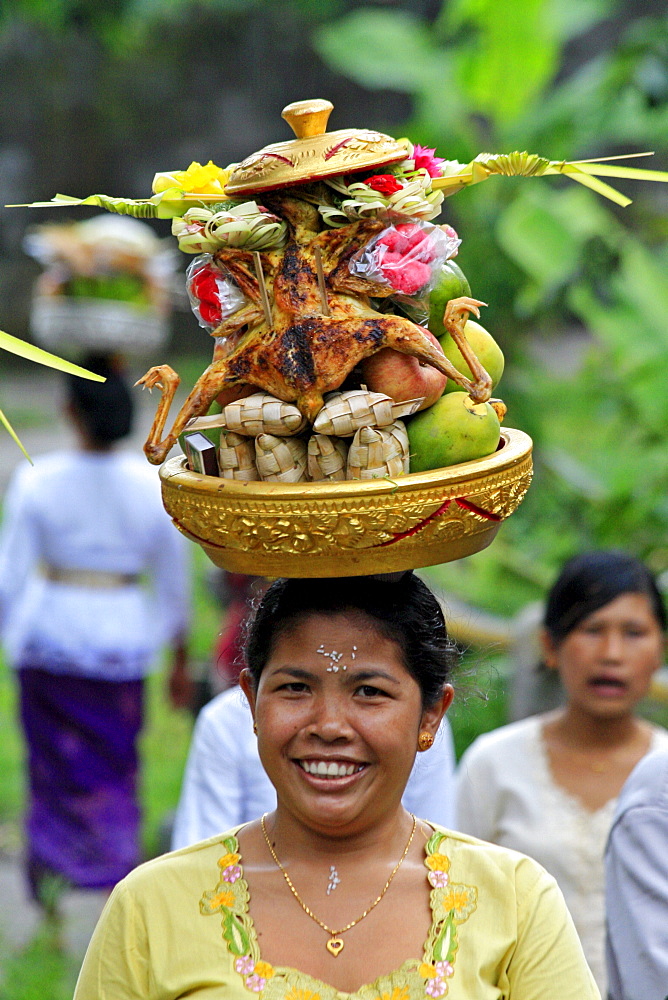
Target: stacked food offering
106, 286
346, 423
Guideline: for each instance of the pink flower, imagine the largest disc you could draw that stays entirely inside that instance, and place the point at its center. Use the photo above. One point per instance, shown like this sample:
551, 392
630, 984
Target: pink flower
439, 880
425, 159
232, 873
244, 965
436, 987
256, 983
444, 969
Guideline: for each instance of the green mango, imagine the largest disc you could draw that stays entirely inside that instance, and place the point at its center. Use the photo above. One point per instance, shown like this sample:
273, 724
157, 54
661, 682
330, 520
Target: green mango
454, 429
451, 284
484, 346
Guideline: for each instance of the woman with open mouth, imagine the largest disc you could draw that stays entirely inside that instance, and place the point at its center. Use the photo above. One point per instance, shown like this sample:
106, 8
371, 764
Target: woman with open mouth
548, 785
340, 892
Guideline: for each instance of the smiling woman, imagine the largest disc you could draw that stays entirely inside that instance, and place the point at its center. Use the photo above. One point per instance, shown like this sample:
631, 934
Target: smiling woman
340, 893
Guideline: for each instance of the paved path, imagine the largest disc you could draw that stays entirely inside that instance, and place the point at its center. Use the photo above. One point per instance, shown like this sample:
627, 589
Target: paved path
20, 916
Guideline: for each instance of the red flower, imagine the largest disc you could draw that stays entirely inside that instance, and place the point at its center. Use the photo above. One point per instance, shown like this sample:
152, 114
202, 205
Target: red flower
386, 184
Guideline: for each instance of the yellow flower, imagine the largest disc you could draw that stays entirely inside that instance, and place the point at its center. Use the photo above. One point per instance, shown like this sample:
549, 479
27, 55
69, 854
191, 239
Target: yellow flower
197, 179
298, 994
228, 860
398, 993
455, 899
461, 900
427, 971
438, 863
224, 898
263, 969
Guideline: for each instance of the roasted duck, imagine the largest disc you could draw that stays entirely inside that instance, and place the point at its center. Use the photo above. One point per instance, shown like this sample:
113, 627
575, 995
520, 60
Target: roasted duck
302, 352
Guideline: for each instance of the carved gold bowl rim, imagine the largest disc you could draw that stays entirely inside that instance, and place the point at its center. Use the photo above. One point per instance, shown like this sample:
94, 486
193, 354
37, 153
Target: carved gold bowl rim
516, 446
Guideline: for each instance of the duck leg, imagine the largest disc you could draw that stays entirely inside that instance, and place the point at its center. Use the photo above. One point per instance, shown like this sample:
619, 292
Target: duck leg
197, 404
454, 320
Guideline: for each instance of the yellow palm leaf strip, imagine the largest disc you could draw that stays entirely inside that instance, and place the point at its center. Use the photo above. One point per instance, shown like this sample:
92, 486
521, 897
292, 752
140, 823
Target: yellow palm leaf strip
12, 433
32, 353
531, 165
629, 173
266, 307
570, 170
321, 281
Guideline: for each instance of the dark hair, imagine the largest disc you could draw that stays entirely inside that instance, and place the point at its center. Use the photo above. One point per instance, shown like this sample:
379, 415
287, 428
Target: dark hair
589, 582
406, 612
104, 408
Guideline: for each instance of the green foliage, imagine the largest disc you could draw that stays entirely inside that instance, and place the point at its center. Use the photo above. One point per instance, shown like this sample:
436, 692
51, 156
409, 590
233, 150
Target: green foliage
482, 710
11, 752
399, 49
506, 53
164, 748
122, 25
42, 971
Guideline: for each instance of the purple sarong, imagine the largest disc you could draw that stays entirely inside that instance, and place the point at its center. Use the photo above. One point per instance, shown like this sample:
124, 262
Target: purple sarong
82, 818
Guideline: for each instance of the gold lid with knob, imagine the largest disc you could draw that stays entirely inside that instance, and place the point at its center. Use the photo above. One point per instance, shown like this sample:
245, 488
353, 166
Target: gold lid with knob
314, 153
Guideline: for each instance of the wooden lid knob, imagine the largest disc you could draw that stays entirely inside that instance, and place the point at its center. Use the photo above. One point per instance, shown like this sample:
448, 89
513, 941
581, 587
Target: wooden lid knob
308, 118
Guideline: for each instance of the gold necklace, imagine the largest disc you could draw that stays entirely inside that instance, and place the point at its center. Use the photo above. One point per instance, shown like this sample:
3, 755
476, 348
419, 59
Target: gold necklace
335, 944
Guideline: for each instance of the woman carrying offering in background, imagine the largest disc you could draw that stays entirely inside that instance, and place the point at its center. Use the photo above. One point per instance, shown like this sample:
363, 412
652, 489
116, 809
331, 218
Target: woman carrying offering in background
81, 531
547, 785
340, 892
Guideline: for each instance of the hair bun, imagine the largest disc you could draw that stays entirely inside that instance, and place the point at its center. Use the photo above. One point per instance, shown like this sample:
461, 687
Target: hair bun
391, 577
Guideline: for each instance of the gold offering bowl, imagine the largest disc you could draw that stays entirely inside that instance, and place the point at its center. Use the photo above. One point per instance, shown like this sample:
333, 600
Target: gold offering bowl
350, 528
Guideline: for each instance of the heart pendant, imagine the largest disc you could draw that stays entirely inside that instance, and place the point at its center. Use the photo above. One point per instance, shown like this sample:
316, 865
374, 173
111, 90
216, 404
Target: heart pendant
335, 946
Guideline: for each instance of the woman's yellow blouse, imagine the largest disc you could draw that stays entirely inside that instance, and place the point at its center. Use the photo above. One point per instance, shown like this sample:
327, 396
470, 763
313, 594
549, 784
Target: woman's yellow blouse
179, 927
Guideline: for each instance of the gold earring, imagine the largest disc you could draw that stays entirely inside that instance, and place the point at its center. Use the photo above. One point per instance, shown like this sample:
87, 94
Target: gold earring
255, 728
425, 741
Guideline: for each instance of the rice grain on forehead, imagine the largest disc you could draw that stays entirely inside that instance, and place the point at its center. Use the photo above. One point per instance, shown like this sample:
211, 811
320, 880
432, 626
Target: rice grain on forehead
402, 610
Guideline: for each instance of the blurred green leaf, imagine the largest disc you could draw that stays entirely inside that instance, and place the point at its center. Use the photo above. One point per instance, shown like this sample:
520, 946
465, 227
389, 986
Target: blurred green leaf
576, 474
398, 50
570, 19
507, 52
538, 241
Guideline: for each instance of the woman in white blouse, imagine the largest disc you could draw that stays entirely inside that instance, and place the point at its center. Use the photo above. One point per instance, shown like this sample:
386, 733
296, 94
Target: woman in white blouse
93, 581
547, 785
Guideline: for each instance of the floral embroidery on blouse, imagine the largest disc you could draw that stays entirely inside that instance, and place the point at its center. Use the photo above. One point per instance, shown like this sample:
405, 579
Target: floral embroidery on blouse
451, 904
